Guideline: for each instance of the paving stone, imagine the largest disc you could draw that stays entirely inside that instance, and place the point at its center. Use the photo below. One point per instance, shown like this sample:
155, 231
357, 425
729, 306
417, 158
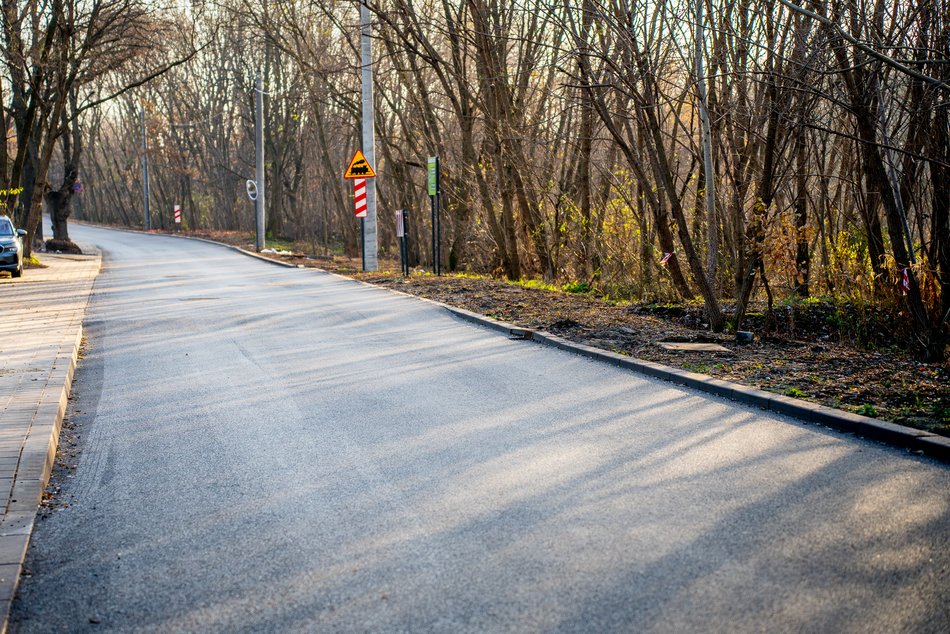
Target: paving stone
12, 548
9, 578
692, 347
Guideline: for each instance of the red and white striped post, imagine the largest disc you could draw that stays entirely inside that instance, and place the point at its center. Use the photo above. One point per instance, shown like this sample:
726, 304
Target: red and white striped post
364, 201
178, 217
359, 197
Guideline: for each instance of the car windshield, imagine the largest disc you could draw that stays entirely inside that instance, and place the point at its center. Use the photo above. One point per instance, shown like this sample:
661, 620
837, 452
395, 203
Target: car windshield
6, 227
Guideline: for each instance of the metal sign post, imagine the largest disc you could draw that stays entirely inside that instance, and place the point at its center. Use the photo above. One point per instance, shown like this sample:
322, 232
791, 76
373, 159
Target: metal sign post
405, 221
359, 204
403, 234
434, 187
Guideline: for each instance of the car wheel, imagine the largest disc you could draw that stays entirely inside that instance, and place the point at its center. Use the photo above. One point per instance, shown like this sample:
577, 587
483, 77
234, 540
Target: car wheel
17, 272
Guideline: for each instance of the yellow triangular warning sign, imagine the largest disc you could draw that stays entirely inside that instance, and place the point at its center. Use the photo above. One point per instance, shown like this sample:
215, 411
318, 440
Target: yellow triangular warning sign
359, 167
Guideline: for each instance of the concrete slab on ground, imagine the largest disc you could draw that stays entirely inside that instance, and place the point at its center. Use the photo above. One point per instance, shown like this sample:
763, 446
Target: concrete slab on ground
691, 347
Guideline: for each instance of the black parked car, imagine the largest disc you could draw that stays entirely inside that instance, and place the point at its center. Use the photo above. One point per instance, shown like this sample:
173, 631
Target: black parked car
11, 247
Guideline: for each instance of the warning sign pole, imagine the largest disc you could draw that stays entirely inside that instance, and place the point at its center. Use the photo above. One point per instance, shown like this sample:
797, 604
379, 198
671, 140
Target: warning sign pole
359, 197
359, 206
434, 188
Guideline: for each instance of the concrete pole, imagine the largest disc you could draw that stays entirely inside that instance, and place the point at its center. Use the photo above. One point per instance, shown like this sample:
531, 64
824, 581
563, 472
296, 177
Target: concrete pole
369, 138
259, 152
145, 196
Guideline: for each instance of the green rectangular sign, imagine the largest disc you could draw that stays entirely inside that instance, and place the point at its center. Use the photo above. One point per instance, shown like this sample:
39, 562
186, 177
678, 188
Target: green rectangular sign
433, 166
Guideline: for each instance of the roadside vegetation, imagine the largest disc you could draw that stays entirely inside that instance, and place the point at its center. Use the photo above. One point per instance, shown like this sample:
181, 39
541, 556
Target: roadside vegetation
33, 262
751, 156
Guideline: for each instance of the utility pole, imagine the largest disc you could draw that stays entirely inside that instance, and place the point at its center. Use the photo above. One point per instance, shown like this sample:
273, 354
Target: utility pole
259, 152
148, 214
369, 139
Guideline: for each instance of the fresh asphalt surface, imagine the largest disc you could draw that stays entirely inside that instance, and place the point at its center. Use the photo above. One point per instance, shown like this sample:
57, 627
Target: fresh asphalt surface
279, 450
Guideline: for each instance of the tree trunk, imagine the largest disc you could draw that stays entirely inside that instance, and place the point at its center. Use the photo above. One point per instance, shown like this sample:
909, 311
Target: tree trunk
582, 185
755, 232
664, 176
709, 180
939, 251
59, 201
802, 255
929, 333
59, 207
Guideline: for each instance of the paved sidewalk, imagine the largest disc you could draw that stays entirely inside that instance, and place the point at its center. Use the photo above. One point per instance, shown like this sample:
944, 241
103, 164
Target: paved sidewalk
41, 318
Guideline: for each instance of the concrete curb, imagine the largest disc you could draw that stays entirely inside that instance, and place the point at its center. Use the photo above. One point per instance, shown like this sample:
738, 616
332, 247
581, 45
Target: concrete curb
931, 444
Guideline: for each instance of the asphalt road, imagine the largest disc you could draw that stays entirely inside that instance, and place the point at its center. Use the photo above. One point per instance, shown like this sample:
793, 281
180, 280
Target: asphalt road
278, 450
